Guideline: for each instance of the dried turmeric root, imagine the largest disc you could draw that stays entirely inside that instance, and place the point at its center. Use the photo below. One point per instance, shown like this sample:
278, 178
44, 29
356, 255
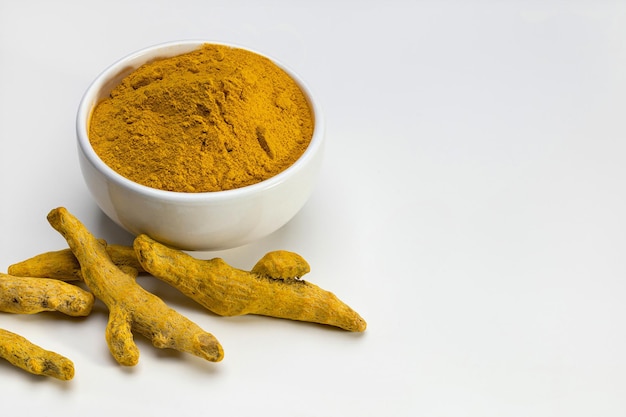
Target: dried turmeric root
131, 308
64, 266
33, 295
22, 353
272, 288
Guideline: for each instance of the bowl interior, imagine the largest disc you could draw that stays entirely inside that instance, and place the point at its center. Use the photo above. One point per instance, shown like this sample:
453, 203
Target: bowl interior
113, 75
195, 221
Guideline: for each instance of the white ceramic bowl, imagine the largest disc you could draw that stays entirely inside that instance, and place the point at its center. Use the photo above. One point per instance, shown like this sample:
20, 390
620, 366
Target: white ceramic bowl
194, 221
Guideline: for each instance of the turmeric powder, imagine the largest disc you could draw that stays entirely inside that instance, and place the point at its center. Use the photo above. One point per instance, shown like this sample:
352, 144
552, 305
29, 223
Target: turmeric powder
214, 119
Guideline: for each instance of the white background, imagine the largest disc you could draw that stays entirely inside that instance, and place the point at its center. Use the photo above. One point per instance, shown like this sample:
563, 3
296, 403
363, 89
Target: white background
471, 207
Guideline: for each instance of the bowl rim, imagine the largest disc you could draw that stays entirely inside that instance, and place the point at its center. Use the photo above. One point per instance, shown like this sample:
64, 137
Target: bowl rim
89, 98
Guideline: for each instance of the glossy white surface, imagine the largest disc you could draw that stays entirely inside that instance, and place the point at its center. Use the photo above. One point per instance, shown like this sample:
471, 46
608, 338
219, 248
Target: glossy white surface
194, 221
471, 206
